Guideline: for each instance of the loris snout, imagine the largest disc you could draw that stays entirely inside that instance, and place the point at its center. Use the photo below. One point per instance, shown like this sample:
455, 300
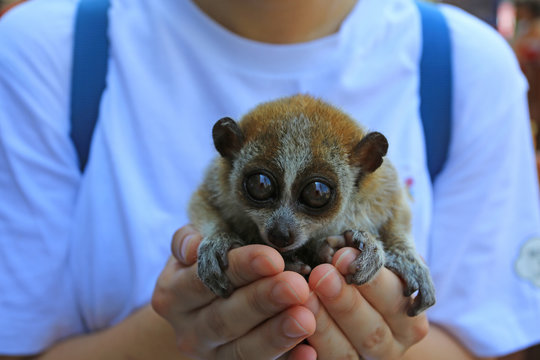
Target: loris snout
293, 174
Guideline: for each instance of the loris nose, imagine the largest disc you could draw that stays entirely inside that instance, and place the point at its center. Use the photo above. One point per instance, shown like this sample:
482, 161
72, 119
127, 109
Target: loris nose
280, 236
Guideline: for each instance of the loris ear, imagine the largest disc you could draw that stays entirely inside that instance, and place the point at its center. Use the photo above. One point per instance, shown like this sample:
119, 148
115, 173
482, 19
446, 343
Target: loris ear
368, 153
228, 137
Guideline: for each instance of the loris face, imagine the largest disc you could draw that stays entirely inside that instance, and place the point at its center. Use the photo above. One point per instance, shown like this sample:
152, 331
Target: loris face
291, 174
289, 200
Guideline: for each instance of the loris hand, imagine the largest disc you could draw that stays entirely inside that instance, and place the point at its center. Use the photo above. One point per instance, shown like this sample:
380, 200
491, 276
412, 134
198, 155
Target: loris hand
370, 320
262, 319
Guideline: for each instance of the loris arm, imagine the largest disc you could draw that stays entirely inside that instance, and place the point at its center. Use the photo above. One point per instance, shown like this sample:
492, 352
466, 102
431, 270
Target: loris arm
218, 240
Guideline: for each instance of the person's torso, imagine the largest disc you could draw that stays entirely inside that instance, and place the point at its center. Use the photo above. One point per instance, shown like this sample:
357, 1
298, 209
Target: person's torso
172, 74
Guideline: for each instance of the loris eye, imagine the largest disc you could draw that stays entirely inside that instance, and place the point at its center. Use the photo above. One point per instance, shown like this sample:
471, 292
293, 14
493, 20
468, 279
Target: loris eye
260, 187
316, 194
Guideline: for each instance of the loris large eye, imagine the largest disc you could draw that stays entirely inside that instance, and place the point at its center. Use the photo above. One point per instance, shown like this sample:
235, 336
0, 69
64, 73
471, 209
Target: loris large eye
316, 194
260, 187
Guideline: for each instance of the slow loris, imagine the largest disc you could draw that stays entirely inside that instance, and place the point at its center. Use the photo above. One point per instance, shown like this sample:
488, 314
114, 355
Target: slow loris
292, 174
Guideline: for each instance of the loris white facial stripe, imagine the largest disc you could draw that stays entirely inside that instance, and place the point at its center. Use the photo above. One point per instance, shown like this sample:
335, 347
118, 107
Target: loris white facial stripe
294, 153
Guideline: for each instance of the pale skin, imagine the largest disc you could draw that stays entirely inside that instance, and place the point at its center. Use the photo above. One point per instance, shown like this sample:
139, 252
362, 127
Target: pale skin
271, 312
279, 21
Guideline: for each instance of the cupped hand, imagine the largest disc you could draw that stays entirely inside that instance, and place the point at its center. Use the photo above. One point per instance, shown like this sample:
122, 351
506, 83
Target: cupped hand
368, 321
262, 319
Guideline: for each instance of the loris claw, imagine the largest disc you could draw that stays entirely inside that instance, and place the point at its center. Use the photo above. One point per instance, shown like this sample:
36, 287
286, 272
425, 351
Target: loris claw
370, 259
293, 173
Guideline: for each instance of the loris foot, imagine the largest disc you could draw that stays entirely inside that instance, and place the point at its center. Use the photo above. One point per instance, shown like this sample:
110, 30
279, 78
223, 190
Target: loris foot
213, 262
415, 275
370, 259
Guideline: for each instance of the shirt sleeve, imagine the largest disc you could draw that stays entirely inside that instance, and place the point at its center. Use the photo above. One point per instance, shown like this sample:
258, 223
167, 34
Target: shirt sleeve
38, 177
486, 203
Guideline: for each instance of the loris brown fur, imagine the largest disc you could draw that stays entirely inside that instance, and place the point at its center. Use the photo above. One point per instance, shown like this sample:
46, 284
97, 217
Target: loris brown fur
292, 174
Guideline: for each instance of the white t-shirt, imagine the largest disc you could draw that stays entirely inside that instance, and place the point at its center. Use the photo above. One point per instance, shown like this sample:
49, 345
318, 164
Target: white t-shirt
80, 253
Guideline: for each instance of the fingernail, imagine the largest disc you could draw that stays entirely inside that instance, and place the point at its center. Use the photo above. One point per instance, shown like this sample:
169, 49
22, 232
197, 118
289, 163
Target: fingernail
293, 329
185, 247
329, 285
283, 293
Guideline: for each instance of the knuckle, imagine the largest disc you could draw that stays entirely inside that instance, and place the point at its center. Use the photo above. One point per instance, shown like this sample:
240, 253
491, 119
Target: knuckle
419, 330
376, 338
163, 298
237, 351
159, 302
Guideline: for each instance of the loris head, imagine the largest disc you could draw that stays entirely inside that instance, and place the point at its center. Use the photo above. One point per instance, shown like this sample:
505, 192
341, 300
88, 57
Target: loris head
293, 165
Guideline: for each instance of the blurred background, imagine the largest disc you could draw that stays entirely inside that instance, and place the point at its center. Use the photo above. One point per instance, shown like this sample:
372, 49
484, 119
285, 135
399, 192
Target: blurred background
518, 21
484, 9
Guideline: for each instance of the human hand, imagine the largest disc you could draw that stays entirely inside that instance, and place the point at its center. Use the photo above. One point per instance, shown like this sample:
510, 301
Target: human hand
262, 319
368, 321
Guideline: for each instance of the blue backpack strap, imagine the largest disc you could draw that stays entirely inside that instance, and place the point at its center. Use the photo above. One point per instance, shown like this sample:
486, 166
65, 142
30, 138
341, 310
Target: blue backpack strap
435, 86
90, 57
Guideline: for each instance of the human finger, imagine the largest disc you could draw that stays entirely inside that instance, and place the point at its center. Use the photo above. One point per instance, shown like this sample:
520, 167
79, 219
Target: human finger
249, 306
328, 340
364, 327
246, 264
272, 338
301, 352
184, 244
385, 294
